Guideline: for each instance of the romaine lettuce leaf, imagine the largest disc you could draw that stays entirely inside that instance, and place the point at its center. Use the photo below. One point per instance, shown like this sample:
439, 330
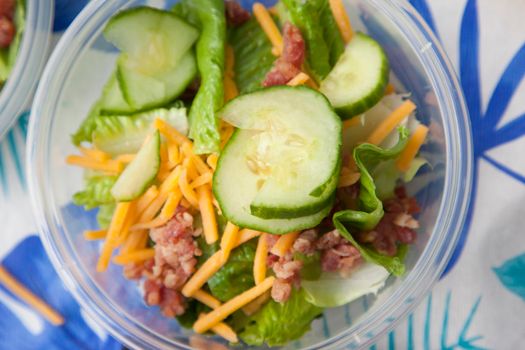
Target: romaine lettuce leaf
253, 55
387, 176
236, 276
332, 290
96, 192
324, 44
104, 215
367, 158
311, 269
125, 134
210, 61
277, 324
85, 130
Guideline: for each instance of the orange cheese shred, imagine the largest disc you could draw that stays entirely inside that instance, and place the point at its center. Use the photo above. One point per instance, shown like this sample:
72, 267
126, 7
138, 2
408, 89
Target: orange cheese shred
389, 124
135, 256
212, 160
219, 314
201, 180
299, 79
348, 179
95, 154
125, 158
172, 134
145, 200
209, 221
229, 239
269, 27
412, 148
213, 264
223, 330
186, 189
390, 89
92, 235
117, 221
109, 166
207, 299
284, 243
18, 289
259, 262
342, 20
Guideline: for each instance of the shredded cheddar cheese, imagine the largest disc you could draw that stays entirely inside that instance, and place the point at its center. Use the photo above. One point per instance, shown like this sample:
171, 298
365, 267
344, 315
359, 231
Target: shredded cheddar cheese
348, 179
390, 89
92, 235
207, 299
387, 125
29, 298
125, 158
256, 305
186, 189
172, 134
350, 123
117, 222
202, 180
134, 257
95, 154
209, 221
259, 262
284, 243
269, 27
219, 314
213, 264
412, 148
229, 239
145, 200
109, 166
212, 161
299, 79
342, 20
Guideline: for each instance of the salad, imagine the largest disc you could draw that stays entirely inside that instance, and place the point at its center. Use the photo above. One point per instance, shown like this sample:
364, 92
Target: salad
12, 20
249, 168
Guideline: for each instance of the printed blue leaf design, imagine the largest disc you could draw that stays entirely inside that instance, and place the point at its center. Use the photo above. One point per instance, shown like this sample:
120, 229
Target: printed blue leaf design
486, 136
423, 9
427, 328
29, 264
512, 275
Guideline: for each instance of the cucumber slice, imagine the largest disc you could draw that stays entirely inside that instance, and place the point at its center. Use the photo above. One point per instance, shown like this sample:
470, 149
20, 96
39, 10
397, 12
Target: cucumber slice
235, 190
125, 134
144, 92
293, 150
140, 173
156, 63
358, 80
112, 101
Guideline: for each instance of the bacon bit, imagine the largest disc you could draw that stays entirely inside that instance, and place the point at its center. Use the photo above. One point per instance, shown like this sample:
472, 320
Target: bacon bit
7, 26
289, 64
304, 244
281, 290
397, 225
235, 13
174, 262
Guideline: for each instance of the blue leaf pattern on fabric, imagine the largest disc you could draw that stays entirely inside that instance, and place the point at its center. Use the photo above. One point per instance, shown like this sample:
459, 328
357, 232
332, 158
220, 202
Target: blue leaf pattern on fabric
512, 275
29, 264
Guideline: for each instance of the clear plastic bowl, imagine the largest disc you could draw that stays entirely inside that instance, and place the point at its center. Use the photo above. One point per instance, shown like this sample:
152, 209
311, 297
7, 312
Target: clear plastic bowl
72, 81
32, 56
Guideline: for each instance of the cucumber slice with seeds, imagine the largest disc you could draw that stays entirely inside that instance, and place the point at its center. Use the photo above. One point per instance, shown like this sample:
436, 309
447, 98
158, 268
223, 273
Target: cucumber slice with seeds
156, 63
359, 79
283, 160
235, 189
140, 173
